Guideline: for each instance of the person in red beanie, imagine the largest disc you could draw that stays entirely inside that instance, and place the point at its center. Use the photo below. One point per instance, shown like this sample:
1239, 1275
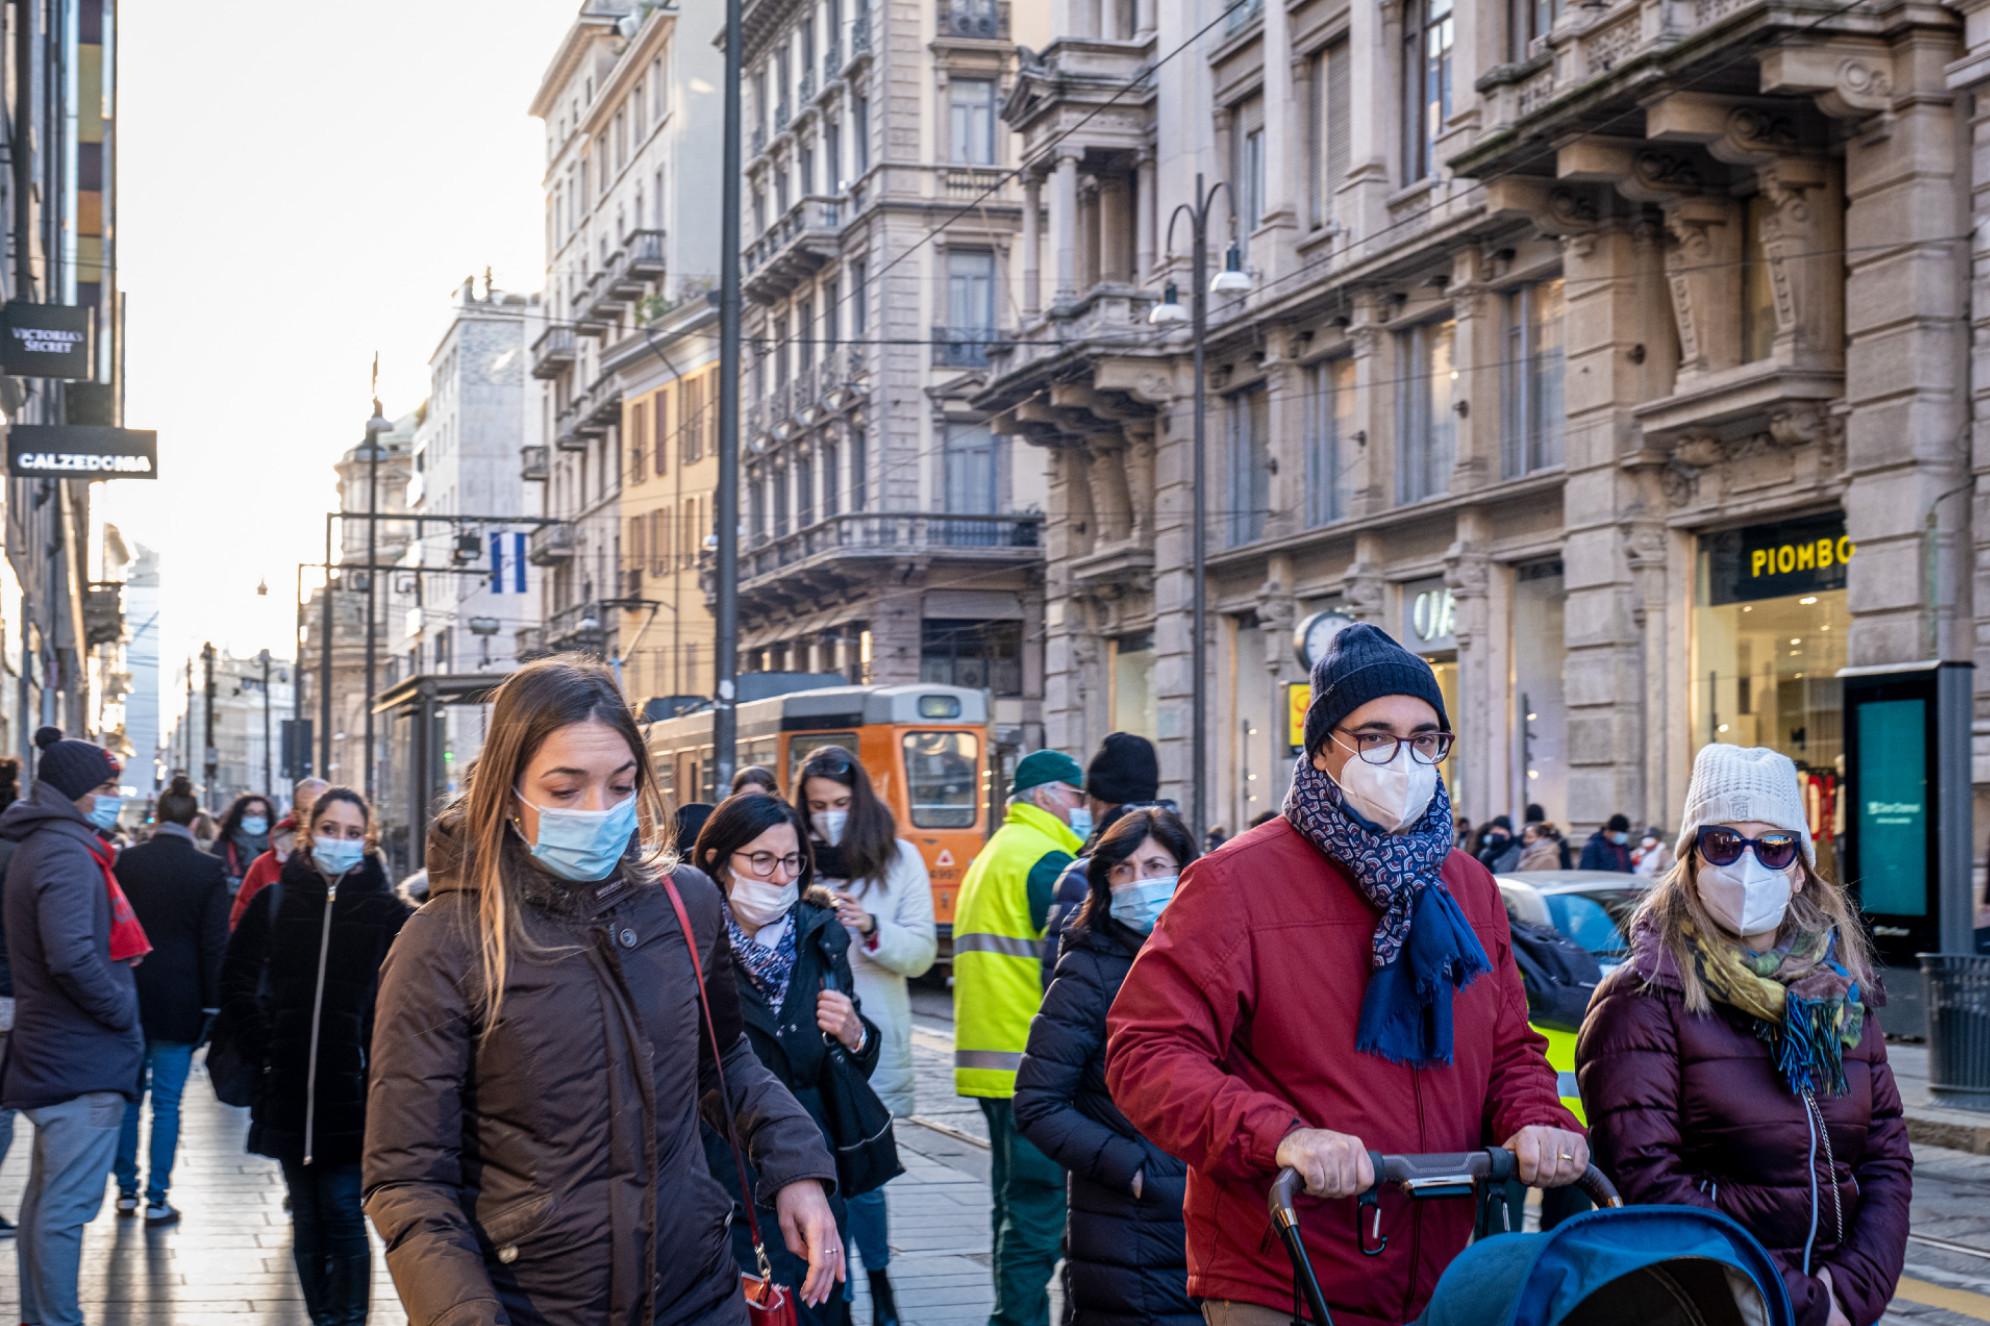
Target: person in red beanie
264, 870
73, 1057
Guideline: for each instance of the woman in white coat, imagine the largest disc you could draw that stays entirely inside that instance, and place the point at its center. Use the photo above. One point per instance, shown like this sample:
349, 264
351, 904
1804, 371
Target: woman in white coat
885, 900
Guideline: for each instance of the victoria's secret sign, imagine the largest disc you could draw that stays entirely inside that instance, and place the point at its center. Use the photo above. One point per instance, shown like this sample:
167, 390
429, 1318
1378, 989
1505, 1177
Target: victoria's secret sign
45, 340
1772, 561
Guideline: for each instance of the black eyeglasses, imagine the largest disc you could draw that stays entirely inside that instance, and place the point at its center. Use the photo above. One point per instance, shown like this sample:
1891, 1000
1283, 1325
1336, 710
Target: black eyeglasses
1723, 846
763, 863
1380, 747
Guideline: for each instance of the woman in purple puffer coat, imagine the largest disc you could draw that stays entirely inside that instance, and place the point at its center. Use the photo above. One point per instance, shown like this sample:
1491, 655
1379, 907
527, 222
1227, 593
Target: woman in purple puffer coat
1734, 1061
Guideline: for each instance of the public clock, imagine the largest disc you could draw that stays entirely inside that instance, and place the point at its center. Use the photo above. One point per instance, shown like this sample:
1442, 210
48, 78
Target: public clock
1315, 633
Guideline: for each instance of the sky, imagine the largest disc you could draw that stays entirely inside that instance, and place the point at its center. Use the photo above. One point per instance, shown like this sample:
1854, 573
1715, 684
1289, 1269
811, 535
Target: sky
300, 186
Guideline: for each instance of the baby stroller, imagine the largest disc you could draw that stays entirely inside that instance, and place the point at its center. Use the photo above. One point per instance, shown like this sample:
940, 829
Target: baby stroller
1616, 1266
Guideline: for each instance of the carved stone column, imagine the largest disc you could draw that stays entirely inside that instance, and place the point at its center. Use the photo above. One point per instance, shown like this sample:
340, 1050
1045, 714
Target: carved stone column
1145, 219
1064, 225
1032, 247
1477, 354
1482, 699
1366, 476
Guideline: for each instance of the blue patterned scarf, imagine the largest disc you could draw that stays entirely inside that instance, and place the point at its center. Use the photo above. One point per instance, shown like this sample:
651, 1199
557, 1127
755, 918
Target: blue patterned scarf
768, 968
1424, 948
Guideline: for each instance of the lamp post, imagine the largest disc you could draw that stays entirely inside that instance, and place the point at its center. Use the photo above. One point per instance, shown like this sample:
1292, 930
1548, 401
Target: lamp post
374, 428
1169, 312
269, 778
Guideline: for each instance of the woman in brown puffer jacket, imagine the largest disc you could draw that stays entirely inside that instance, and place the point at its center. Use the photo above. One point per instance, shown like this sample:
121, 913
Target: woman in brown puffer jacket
540, 1058
1734, 1061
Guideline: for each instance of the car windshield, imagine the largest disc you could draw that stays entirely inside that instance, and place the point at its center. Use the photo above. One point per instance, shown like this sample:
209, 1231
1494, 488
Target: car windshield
1600, 922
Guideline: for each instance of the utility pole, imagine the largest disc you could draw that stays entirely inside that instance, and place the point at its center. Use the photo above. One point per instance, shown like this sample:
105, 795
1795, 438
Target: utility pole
269, 779
375, 426
725, 661
186, 722
211, 754
325, 662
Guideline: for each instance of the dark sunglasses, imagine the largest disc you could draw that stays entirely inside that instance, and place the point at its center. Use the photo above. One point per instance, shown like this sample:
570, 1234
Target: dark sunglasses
1723, 847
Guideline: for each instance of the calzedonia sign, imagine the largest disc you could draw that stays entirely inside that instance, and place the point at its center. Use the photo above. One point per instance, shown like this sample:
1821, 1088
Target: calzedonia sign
77, 451
45, 340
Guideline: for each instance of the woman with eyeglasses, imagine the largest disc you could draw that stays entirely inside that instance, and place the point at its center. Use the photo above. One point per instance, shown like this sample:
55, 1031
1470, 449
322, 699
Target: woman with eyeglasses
791, 966
1123, 1231
884, 899
1735, 1063
542, 1059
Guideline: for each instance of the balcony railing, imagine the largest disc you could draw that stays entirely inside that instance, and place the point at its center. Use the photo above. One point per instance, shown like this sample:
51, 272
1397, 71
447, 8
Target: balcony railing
639, 262
974, 184
807, 390
837, 539
984, 19
759, 139
605, 300
549, 544
962, 347
781, 117
577, 624
553, 352
1242, 17
832, 63
568, 434
533, 464
860, 36
756, 418
805, 92
601, 408
780, 403
798, 243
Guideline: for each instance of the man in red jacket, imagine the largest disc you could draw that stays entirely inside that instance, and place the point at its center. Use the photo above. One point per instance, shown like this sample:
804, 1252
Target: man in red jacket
1336, 981
263, 871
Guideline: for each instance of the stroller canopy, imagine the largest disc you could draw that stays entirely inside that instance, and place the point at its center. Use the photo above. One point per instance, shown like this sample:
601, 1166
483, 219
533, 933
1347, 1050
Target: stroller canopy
1633, 1266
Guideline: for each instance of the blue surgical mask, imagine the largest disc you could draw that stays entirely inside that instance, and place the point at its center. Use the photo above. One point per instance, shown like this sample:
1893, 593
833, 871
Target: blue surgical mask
103, 811
1081, 821
335, 856
1620, 838
255, 826
1138, 906
583, 846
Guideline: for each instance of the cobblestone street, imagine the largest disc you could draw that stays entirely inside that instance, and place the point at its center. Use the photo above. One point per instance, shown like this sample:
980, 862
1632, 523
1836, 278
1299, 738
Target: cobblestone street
228, 1262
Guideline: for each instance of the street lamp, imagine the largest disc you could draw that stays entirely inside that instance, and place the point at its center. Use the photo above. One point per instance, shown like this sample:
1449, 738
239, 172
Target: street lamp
374, 428
1231, 280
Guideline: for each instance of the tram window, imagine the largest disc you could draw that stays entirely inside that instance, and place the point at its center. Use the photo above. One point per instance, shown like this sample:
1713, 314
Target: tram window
942, 778
804, 744
943, 707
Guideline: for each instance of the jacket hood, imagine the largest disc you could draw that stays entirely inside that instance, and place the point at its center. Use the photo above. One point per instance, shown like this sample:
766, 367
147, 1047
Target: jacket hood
44, 805
444, 856
1651, 959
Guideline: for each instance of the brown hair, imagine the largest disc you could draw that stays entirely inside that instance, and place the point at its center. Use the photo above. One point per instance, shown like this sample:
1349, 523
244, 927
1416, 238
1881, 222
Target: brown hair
177, 804
1674, 905
350, 796
533, 703
870, 837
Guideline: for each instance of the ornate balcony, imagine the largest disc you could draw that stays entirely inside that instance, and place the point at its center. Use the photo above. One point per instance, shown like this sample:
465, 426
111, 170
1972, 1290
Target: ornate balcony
568, 434
604, 301
978, 184
550, 544
860, 37
553, 352
533, 466
639, 262
845, 549
601, 408
805, 92
983, 20
794, 248
832, 64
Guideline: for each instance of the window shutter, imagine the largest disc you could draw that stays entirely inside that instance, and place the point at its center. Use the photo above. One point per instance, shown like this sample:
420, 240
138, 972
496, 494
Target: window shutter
1339, 130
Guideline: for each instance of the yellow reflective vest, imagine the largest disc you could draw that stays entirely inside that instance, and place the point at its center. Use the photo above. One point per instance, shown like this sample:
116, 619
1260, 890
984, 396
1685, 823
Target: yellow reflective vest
998, 970
1561, 1058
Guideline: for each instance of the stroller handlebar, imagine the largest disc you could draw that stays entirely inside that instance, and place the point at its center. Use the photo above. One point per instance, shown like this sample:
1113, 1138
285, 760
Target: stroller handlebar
1454, 1174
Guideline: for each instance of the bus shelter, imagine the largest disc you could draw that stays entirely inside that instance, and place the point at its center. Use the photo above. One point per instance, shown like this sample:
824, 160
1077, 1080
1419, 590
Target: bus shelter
434, 725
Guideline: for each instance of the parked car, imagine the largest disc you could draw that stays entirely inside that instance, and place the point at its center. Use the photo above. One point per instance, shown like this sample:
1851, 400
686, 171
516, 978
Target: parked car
1592, 907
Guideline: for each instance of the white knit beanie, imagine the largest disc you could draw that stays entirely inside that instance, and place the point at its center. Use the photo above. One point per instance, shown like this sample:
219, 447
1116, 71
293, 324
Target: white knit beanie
1735, 784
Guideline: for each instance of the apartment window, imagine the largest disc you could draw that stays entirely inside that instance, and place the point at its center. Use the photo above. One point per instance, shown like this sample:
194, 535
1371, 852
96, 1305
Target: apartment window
832, 304
832, 157
780, 336
860, 474
778, 499
1426, 445
1531, 372
860, 273
971, 471
1526, 22
638, 110
660, 548
691, 418
782, 191
638, 545
621, 139
1427, 37
659, 420
1329, 112
657, 93
970, 308
832, 478
807, 28
805, 167
1247, 161
975, 654
805, 332
763, 106
638, 466
971, 113
782, 84
1330, 430
860, 128
1758, 296
804, 492
1249, 448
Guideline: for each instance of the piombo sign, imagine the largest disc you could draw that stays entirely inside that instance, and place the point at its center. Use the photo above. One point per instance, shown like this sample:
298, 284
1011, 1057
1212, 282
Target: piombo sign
45, 340
1772, 561
76, 451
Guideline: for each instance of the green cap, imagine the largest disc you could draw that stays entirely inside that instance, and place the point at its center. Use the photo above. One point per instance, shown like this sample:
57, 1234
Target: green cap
1045, 766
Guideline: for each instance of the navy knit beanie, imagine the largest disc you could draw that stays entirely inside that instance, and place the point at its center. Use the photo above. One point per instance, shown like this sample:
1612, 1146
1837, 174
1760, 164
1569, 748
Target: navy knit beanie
1126, 769
1361, 664
72, 767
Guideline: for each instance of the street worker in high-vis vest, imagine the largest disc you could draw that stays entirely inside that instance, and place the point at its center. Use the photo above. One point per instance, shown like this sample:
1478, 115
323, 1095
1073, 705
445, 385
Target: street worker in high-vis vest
999, 923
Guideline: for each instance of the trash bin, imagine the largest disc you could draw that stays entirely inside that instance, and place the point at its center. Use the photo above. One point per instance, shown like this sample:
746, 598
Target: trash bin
1957, 990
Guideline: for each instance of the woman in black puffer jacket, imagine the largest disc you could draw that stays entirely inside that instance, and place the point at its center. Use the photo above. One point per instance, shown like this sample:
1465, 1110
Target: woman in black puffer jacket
298, 989
1125, 1259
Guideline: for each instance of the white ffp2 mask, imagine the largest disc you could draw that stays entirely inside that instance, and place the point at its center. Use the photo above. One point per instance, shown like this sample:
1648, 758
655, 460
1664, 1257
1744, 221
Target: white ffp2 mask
1390, 796
1746, 897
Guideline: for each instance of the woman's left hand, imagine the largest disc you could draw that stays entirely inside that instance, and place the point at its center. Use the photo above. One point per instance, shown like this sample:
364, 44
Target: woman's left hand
837, 1016
1549, 1157
808, 1227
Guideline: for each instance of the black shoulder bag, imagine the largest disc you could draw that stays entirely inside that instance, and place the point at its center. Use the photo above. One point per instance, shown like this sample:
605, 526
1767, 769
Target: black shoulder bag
229, 1068
859, 1124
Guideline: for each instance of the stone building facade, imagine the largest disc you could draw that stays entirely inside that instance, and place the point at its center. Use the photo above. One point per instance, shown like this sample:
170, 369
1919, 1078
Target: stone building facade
890, 534
1617, 357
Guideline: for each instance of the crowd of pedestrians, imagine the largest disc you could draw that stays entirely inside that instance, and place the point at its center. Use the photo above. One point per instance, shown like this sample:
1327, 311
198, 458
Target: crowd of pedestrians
634, 1063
